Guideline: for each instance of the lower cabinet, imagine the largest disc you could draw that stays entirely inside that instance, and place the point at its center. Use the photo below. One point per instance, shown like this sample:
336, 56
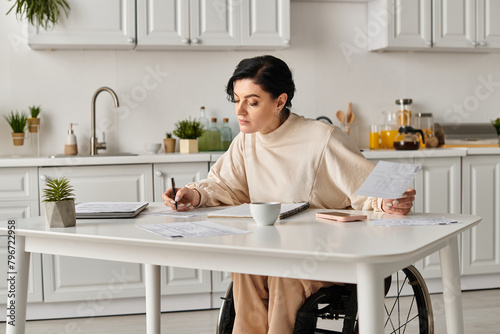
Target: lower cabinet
481, 196
19, 199
79, 279
181, 280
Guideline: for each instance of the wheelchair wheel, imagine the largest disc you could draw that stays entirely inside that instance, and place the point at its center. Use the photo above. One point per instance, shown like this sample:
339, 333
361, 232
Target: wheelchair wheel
226, 314
408, 307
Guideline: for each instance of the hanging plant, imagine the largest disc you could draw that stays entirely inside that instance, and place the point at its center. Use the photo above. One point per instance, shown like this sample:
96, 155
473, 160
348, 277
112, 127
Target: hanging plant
42, 12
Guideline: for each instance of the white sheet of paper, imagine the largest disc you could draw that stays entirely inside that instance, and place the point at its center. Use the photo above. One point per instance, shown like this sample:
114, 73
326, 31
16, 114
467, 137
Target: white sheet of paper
190, 229
412, 222
168, 212
388, 180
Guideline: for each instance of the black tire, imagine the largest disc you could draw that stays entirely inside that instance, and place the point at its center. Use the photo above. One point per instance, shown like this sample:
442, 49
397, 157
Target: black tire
227, 314
409, 310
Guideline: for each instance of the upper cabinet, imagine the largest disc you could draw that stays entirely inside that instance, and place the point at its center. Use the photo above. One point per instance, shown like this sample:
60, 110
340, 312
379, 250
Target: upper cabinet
450, 25
169, 25
91, 24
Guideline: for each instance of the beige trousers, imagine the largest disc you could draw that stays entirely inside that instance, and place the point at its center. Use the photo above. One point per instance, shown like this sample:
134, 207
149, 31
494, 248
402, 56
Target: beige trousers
266, 304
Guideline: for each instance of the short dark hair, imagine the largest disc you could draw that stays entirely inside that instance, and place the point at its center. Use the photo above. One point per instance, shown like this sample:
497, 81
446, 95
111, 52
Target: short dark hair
272, 74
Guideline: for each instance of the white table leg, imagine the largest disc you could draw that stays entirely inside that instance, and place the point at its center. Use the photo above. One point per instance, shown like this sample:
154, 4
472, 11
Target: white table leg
153, 302
370, 300
17, 287
452, 290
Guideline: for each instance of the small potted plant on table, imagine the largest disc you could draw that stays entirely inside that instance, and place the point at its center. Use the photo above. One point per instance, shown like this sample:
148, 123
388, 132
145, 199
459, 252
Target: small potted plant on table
59, 203
188, 132
169, 143
34, 121
17, 122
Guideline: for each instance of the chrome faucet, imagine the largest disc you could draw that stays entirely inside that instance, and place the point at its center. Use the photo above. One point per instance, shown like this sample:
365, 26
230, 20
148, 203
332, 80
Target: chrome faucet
94, 143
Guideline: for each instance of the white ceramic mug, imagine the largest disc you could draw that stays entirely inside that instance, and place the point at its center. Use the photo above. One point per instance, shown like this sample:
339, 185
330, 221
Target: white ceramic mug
265, 213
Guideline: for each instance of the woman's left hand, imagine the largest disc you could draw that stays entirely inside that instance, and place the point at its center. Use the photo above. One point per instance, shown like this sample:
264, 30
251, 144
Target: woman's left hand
400, 206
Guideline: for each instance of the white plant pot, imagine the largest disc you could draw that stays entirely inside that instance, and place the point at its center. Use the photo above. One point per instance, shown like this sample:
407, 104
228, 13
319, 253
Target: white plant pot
60, 214
188, 146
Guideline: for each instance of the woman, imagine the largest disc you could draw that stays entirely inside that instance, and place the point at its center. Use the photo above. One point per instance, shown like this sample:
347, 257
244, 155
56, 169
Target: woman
280, 156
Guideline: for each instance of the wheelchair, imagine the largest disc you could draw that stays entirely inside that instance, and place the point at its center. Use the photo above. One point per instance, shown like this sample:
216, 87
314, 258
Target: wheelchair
333, 310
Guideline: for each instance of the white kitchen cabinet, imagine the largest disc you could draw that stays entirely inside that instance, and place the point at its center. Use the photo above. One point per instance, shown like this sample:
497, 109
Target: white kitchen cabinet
168, 24
265, 23
163, 24
19, 199
438, 191
448, 25
181, 280
481, 196
91, 24
77, 279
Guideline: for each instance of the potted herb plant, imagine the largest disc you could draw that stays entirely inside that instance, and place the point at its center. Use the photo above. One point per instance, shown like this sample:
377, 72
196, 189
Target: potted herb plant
169, 143
17, 122
188, 131
33, 120
496, 124
59, 204
43, 13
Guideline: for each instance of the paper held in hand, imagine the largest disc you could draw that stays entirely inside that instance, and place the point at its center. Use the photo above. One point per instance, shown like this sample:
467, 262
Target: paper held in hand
388, 180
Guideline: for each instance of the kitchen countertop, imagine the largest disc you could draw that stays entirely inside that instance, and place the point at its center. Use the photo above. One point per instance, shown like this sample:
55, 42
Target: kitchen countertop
213, 156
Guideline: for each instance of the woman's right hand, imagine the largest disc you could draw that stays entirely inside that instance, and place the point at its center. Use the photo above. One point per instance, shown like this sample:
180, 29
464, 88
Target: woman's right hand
186, 198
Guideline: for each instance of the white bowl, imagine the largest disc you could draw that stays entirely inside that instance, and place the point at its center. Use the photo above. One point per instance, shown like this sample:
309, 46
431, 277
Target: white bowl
152, 148
265, 213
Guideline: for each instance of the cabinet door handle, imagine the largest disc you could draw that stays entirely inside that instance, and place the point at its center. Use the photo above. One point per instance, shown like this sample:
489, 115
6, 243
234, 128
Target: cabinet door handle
474, 43
158, 173
196, 41
482, 43
43, 177
185, 41
130, 40
286, 42
429, 43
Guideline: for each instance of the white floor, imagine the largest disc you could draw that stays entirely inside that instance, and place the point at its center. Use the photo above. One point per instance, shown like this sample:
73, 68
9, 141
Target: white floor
481, 316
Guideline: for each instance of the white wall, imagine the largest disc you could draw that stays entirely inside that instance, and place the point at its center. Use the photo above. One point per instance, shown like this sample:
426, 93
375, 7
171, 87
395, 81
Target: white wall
63, 82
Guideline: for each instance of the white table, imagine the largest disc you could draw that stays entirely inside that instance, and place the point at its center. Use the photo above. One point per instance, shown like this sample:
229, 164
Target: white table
299, 247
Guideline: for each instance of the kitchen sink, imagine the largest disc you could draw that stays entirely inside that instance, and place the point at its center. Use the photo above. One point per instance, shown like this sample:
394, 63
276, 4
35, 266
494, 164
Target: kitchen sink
119, 154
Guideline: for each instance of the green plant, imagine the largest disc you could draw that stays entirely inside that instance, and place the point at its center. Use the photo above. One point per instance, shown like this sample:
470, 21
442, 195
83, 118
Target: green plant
57, 190
17, 121
34, 111
496, 124
168, 134
188, 129
43, 12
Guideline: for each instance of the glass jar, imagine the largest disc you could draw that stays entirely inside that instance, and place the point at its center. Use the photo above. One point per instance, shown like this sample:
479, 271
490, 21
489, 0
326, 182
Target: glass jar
425, 122
226, 135
403, 115
203, 140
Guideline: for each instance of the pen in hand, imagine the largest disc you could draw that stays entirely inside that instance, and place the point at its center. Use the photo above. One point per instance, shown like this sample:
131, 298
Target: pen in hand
173, 189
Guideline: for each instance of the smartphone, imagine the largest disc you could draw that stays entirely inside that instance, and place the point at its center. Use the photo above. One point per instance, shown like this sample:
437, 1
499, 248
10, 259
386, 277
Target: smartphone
340, 216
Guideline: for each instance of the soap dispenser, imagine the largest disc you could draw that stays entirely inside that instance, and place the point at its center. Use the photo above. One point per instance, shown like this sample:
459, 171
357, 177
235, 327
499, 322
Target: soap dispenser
70, 147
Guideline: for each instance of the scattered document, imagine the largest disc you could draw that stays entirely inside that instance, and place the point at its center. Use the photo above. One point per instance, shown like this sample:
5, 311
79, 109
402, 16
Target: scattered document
190, 229
388, 180
412, 222
243, 211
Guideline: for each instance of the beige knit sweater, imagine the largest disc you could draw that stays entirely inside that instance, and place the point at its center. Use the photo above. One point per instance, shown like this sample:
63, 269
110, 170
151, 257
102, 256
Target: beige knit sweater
302, 161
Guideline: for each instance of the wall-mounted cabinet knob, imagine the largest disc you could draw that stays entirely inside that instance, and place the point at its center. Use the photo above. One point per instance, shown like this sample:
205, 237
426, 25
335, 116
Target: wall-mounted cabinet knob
286, 42
185, 41
158, 173
429, 43
482, 43
196, 41
43, 177
130, 40
474, 43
